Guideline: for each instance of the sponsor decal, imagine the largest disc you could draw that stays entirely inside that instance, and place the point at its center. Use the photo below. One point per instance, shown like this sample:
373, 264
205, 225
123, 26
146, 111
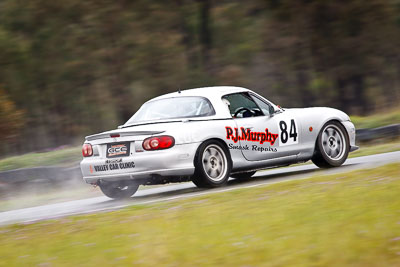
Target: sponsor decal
288, 132
263, 149
117, 150
109, 161
126, 165
253, 148
245, 147
113, 166
248, 135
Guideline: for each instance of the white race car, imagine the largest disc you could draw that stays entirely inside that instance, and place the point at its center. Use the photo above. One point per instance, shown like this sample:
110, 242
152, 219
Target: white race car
207, 135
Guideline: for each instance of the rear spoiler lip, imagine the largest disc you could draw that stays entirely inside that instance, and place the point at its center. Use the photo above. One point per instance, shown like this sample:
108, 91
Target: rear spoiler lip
122, 134
148, 123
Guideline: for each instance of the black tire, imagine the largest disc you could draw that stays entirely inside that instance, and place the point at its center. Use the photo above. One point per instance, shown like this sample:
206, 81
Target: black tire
213, 165
332, 146
119, 190
243, 175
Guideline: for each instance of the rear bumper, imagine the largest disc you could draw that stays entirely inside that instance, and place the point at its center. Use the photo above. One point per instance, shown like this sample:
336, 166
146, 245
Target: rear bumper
176, 161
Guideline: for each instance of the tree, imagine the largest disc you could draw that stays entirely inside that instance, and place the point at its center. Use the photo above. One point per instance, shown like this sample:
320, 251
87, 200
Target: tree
11, 120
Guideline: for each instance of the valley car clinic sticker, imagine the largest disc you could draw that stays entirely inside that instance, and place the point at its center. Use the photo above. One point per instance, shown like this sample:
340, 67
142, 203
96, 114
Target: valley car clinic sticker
113, 166
288, 132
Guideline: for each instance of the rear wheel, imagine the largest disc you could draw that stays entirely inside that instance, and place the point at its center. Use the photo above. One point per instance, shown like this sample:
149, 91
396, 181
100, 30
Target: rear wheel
212, 165
332, 147
119, 190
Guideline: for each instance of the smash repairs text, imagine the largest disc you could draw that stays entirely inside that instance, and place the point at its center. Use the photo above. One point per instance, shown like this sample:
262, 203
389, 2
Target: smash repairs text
253, 148
248, 135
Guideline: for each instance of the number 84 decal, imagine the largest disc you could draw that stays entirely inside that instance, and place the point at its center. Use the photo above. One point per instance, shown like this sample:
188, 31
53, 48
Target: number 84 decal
288, 134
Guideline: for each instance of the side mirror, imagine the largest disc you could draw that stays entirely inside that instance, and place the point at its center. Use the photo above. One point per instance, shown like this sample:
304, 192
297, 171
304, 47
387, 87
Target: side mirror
271, 111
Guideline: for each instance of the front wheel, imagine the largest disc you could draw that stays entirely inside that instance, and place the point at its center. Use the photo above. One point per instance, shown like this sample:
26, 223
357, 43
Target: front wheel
332, 147
212, 165
119, 190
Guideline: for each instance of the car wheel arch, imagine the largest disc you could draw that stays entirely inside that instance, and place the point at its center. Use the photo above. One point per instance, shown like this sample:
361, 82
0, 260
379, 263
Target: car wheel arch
200, 177
319, 157
324, 123
219, 140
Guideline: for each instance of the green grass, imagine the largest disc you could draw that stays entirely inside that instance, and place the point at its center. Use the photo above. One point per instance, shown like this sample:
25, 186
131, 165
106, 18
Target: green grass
350, 219
376, 148
377, 120
57, 157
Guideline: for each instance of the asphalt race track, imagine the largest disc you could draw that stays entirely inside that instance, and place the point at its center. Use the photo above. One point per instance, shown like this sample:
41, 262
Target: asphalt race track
185, 190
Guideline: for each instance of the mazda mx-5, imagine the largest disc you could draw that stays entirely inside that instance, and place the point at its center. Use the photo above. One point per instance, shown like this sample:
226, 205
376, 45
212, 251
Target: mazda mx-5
207, 135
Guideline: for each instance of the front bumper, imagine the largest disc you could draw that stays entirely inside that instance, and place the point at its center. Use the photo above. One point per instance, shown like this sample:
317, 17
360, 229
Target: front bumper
351, 131
354, 148
176, 161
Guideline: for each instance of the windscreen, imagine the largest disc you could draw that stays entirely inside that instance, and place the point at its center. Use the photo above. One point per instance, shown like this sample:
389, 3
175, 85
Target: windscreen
173, 108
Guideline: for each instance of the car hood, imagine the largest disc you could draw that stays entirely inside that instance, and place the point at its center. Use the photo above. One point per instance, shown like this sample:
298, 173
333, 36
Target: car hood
319, 110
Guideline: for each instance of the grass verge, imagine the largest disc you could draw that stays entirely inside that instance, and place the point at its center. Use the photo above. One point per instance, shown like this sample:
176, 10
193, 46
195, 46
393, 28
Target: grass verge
376, 148
377, 120
348, 219
62, 156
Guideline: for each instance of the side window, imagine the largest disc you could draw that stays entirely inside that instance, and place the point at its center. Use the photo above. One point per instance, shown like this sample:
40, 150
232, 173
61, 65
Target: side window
242, 105
265, 107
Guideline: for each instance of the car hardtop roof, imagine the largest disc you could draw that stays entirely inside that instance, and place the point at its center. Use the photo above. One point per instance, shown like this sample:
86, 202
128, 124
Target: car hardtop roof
212, 92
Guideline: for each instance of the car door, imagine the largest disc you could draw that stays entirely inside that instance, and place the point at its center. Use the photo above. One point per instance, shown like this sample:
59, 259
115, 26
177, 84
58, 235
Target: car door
261, 133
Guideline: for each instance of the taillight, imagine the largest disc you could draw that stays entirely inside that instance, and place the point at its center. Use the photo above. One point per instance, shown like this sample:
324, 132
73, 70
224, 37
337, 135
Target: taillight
158, 142
87, 150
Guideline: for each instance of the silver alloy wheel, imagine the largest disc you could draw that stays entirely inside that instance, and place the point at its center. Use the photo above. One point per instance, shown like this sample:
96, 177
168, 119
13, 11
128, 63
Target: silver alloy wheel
333, 142
214, 162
